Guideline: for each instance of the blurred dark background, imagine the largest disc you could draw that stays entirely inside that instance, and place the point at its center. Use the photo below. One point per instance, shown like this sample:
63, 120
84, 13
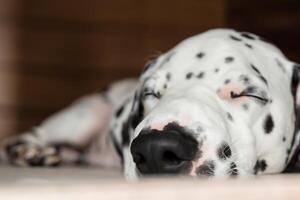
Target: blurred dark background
53, 51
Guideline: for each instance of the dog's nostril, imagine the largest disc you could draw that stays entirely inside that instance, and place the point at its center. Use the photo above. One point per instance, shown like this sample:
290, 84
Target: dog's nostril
171, 158
139, 158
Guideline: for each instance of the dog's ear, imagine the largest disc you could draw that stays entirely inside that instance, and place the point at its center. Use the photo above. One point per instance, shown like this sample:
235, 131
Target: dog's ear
294, 157
137, 110
295, 84
136, 114
134, 117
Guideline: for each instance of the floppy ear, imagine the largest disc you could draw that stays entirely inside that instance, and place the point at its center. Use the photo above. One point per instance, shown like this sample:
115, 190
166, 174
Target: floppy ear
295, 84
137, 111
136, 114
294, 164
134, 117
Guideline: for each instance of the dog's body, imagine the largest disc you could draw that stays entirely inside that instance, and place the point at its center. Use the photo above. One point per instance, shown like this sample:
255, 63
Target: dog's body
222, 103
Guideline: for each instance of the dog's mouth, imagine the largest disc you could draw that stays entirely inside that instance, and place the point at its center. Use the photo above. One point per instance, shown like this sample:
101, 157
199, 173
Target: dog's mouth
177, 150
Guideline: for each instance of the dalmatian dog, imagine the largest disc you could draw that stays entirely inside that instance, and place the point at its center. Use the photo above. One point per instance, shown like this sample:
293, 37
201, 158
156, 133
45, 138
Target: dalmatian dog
220, 104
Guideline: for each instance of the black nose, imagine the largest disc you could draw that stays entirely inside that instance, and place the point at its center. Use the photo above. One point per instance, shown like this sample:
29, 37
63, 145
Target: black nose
163, 152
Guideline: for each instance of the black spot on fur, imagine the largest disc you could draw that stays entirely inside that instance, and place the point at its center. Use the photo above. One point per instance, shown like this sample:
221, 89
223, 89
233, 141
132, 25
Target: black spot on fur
227, 81
268, 124
166, 59
207, 169
279, 64
168, 76
263, 79
137, 111
158, 95
224, 151
217, 70
245, 106
248, 45
235, 38
165, 86
255, 69
247, 35
259, 74
125, 133
261, 165
244, 78
283, 139
233, 169
295, 80
200, 75
200, 55
119, 111
251, 89
189, 75
229, 116
229, 59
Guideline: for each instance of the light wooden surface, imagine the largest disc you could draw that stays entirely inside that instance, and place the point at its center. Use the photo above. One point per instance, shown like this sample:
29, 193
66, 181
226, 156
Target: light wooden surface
92, 183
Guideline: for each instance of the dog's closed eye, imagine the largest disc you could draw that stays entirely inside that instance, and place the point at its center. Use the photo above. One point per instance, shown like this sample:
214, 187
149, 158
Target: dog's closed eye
152, 94
249, 92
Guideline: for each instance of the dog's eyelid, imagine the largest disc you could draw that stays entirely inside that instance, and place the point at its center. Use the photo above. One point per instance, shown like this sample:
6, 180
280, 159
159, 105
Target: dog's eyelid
257, 97
252, 94
151, 94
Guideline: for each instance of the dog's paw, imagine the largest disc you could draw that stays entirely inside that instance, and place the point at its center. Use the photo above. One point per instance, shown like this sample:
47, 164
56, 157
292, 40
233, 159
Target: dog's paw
22, 153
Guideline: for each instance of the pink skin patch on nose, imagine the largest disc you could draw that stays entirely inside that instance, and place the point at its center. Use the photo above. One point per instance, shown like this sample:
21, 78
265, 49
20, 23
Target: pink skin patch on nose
160, 125
225, 93
183, 120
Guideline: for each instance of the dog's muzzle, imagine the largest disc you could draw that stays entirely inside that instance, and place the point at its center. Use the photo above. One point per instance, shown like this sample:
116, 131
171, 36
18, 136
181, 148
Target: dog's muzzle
163, 152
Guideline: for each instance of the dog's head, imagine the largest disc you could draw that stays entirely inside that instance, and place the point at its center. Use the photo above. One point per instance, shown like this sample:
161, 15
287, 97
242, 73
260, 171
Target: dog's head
210, 107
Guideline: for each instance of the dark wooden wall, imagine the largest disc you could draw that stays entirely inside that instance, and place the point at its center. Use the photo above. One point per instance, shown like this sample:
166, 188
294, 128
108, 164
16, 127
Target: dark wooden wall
68, 48
52, 52
8, 65
276, 20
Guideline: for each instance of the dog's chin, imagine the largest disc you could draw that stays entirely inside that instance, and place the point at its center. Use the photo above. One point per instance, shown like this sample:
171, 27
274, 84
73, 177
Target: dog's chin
137, 175
133, 175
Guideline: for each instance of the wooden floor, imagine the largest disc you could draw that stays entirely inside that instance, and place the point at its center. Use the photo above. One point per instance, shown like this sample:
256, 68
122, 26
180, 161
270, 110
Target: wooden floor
92, 183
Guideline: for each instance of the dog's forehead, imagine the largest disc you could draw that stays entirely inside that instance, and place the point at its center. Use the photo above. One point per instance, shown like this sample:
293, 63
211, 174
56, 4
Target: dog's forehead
216, 57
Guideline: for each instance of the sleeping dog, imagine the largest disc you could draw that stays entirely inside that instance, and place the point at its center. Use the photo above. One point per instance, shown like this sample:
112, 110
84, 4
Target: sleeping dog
220, 104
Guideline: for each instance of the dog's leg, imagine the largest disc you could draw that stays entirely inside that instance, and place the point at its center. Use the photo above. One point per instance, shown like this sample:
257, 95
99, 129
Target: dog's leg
78, 126
74, 126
